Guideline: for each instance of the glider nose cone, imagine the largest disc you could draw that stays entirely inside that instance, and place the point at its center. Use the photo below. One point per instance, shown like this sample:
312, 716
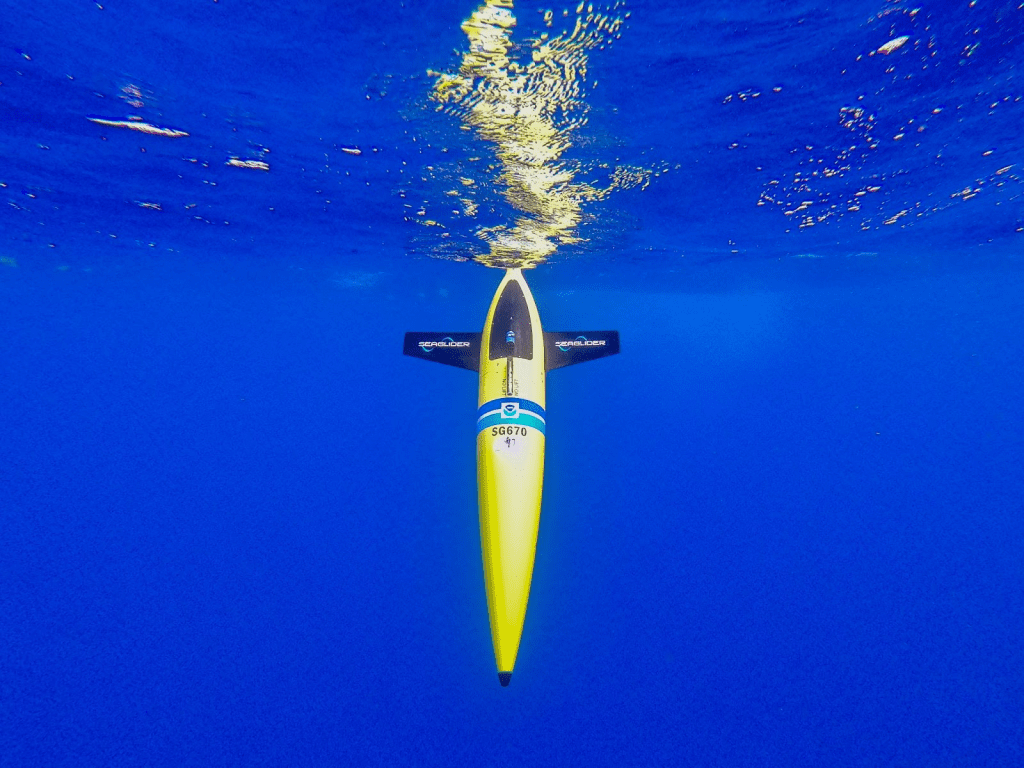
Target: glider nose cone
504, 678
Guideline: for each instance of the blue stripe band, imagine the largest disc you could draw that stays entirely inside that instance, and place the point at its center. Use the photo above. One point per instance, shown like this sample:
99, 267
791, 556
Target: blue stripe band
496, 405
524, 420
510, 410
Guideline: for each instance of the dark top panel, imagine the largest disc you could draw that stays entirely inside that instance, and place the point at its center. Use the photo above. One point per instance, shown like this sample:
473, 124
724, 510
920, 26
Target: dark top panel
511, 329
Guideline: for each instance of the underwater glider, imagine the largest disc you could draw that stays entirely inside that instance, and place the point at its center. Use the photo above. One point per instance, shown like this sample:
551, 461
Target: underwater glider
512, 356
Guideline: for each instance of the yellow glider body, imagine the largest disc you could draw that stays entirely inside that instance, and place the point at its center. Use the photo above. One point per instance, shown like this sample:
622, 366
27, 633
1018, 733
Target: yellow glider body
512, 356
510, 459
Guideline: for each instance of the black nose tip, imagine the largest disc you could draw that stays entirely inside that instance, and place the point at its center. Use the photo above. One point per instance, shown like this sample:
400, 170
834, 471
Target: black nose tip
504, 678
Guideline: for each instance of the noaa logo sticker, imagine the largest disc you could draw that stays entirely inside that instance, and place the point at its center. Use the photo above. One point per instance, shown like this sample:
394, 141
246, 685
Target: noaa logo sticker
510, 410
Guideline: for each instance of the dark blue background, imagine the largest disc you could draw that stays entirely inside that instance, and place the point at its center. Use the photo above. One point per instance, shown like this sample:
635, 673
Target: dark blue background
784, 527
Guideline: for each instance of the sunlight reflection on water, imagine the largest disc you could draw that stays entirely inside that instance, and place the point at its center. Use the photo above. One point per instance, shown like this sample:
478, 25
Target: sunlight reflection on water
527, 104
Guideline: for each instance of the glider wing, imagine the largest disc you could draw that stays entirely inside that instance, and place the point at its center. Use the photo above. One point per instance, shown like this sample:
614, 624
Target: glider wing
562, 348
459, 349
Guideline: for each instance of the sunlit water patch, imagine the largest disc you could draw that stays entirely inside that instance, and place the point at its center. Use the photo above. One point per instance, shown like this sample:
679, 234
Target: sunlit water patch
909, 140
524, 109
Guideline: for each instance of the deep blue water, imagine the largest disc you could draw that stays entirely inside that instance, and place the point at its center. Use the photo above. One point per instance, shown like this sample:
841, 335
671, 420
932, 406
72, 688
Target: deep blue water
783, 527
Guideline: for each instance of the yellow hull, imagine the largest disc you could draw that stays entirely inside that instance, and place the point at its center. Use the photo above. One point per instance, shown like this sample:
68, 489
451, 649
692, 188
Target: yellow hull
511, 355
510, 464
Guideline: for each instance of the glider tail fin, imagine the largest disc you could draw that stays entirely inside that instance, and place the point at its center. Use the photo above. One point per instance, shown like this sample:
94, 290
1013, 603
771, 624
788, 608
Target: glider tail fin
461, 350
562, 348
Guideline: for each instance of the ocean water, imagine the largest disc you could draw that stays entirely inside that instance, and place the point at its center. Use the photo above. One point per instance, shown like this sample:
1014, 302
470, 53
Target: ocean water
782, 528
